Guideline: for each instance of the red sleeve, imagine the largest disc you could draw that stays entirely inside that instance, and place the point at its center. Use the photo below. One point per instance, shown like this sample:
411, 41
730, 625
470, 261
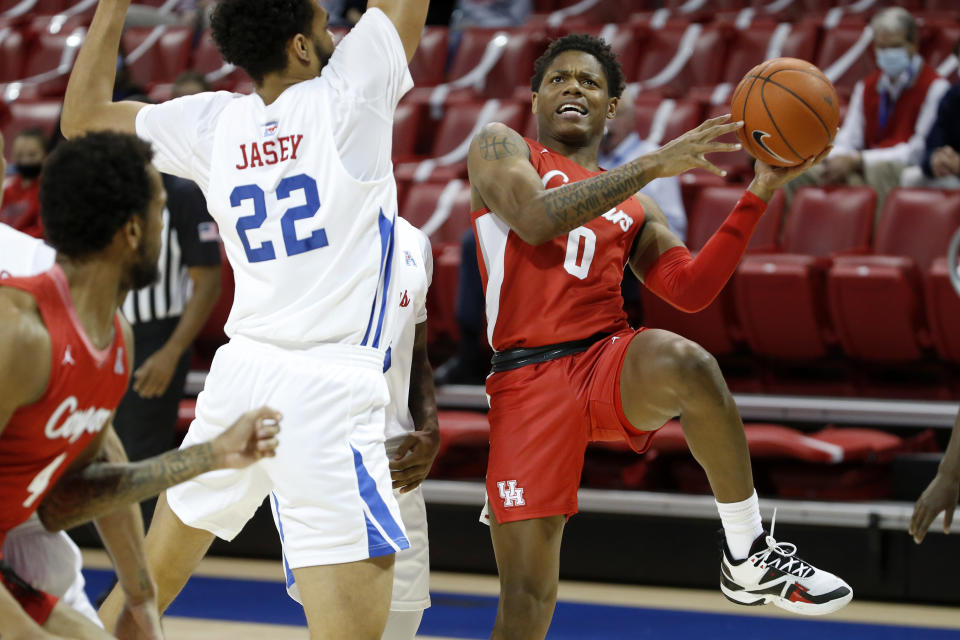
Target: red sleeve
689, 283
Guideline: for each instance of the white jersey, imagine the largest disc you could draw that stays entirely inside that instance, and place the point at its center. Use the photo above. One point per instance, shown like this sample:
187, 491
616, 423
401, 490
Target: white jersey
22, 255
414, 274
302, 190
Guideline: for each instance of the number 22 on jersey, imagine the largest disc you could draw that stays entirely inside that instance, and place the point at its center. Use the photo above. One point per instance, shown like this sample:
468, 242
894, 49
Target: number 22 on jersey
292, 243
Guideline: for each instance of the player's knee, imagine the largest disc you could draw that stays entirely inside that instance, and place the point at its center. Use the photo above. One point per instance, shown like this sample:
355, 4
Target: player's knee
692, 366
528, 597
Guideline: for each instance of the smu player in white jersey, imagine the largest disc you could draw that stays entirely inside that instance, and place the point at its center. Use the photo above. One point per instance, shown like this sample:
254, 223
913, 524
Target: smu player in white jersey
299, 179
412, 432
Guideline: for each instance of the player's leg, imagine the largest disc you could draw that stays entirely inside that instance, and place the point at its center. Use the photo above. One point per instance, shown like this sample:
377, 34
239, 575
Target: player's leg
67, 622
528, 561
664, 375
411, 571
174, 550
349, 600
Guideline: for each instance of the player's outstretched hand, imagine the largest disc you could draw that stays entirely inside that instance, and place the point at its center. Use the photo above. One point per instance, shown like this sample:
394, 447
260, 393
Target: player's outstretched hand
768, 178
139, 621
414, 458
687, 151
941, 495
252, 437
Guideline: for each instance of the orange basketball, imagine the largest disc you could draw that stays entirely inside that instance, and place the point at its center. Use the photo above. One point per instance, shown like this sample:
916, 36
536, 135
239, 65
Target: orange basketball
789, 109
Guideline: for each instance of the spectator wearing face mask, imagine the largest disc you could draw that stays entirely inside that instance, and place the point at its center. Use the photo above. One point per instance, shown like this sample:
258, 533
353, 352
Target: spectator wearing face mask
21, 203
890, 114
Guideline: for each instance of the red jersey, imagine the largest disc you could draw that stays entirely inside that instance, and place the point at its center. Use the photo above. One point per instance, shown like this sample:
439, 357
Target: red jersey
42, 439
21, 207
563, 290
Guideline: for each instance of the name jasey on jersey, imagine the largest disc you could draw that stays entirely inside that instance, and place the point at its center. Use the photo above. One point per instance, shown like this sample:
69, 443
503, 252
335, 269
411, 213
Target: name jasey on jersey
269, 152
76, 423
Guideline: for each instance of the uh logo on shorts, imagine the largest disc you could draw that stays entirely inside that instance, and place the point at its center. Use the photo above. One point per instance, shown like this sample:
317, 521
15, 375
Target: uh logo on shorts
512, 494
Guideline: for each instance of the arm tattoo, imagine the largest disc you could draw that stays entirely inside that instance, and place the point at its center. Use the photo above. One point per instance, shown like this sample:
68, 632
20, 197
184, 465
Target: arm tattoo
495, 147
572, 205
100, 488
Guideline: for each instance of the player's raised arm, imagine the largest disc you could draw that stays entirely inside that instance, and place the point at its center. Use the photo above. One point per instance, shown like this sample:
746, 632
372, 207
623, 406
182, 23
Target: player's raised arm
408, 16
88, 104
501, 173
690, 283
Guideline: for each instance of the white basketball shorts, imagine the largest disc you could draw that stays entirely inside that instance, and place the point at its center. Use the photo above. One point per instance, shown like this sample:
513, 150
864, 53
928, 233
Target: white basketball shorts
330, 480
411, 572
49, 561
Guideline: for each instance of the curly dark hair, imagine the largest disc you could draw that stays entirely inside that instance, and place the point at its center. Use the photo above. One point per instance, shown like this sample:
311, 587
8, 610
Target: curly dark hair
253, 34
588, 44
90, 187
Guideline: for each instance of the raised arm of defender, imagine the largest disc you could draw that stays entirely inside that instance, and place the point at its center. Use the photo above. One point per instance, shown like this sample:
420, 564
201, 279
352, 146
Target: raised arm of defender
408, 16
503, 179
88, 104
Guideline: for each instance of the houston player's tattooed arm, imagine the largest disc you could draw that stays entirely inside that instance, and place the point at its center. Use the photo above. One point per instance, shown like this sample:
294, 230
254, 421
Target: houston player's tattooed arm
101, 487
88, 104
413, 459
505, 180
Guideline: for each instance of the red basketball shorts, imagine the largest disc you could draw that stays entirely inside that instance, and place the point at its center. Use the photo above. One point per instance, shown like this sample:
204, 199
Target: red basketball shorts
38, 604
541, 418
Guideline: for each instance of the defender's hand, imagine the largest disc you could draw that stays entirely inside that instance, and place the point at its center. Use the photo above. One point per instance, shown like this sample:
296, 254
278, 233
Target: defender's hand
940, 495
414, 458
252, 437
687, 151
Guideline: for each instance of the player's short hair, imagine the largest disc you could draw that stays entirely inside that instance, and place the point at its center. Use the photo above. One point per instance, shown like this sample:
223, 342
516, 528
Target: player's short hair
90, 187
588, 44
896, 19
253, 34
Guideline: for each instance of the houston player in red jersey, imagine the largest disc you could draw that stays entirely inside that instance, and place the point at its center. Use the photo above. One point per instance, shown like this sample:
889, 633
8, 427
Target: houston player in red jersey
64, 363
554, 233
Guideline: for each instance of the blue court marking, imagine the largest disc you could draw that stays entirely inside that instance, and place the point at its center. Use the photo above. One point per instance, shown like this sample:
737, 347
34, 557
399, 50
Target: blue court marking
471, 617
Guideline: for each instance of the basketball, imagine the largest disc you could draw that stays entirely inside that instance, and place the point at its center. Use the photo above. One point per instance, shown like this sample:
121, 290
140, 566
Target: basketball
790, 111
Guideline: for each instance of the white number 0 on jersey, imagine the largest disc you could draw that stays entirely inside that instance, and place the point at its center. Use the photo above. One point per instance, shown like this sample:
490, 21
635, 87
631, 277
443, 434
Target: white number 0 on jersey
574, 267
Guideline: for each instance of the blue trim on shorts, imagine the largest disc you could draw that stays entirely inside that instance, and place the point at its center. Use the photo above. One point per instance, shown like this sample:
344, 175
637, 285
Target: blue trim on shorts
380, 512
386, 227
286, 566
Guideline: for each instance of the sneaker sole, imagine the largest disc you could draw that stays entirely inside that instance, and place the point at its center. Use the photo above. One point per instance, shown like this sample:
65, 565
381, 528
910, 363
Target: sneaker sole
748, 599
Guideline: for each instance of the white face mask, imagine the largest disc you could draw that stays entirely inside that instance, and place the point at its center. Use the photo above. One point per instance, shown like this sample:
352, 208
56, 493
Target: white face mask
893, 60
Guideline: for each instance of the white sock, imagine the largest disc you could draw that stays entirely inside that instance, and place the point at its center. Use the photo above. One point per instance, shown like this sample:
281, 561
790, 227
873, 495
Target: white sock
741, 525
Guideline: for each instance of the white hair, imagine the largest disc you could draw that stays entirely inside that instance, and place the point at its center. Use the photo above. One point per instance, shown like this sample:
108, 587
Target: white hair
896, 19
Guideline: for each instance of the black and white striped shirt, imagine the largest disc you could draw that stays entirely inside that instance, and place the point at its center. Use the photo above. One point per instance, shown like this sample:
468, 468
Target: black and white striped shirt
190, 239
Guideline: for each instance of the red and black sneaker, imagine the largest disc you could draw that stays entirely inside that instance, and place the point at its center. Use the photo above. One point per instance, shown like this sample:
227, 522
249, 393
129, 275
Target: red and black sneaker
773, 573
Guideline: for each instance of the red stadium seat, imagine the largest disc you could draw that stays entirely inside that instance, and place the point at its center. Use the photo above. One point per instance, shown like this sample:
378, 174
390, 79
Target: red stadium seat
661, 120
439, 209
456, 130
207, 60
464, 444
766, 40
518, 49
13, 50
406, 129
780, 298
157, 54
25, 115
846, 55
186, 412
679, 57
715, 328
943, 310
50, 53
876, 301
937, 40
428, 62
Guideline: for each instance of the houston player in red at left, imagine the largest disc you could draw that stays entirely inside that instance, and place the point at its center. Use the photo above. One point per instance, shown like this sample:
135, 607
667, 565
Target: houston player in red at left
64, 366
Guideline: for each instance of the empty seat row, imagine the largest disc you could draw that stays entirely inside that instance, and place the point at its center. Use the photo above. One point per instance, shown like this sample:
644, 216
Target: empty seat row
830, 287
